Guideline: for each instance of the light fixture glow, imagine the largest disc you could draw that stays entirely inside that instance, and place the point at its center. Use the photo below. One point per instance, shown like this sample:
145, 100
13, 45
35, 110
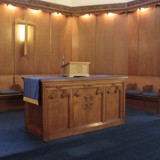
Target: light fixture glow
11, 6
110, 14
24, 35
143, 9
22, 32
35, 11
57, 14
86, 15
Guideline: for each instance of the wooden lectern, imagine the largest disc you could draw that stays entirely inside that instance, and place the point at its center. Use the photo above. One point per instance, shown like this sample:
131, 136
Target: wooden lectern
73, 69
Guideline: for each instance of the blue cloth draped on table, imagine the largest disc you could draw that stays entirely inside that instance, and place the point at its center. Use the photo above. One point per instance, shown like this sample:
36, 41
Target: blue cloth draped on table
31, 86
31, 89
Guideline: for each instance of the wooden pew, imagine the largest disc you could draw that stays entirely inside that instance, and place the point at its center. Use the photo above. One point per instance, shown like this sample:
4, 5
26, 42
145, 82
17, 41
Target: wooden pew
144, 100
10, 102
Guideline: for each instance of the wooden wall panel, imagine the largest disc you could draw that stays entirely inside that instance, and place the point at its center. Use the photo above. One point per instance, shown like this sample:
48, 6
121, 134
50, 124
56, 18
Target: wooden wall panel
51, 39
109, 44
157, 38
87, 40
101, 43
75, 38
38, 56
101, 40
104, 44
68, 40
82, 39
7, 40
91, 42
120, 49
55, 40
42, 42
147, 42
60, 34
23, 64
133, 57
101, 56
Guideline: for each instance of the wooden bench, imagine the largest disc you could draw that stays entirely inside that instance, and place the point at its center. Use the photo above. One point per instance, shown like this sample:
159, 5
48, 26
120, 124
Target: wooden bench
146, 101
11, 101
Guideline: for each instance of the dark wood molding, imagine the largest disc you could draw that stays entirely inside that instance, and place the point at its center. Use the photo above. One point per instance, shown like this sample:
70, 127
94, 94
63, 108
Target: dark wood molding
96, 9
117, 8
36, 4
76, 11
141, 3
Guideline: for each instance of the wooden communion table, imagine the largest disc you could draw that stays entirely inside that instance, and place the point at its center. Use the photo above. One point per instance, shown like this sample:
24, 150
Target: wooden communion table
70, 106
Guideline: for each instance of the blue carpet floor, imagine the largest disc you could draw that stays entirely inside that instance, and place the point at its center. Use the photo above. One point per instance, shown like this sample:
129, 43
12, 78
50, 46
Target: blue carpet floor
137, 139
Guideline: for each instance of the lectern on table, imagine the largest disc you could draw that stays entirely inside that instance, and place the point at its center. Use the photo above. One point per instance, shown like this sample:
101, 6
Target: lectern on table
72, 69
73, 105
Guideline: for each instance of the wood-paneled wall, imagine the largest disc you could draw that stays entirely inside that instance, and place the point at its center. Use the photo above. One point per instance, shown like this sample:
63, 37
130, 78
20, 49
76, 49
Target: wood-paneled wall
6, 40
144, 42
100, 42
120, 44
157, 38
52, 39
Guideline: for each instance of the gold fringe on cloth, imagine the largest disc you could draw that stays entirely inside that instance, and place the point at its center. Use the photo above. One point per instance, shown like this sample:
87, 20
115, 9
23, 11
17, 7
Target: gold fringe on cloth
30, 100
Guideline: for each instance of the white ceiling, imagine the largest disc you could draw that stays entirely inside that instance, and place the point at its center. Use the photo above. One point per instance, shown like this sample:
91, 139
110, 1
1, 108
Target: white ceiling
75, 3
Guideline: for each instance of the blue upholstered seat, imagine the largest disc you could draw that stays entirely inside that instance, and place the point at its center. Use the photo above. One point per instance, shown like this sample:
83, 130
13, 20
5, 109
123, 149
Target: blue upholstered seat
8, 92
138, 92
150, 94
135, 92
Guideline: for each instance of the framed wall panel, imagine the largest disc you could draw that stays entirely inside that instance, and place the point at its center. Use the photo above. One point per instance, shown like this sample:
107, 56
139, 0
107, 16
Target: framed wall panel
157, 38
109, 44
101, 56
59, 37
87, 40
133, 31
147, 41
7, 52
75, 38
120, 42
42, 42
